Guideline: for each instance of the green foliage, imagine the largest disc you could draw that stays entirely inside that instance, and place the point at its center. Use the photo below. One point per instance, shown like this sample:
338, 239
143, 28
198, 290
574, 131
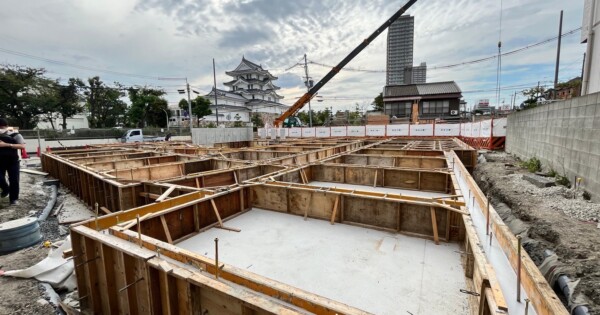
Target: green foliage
257, 121
587, 195
533, 165
563, 180
378, 102
23, 91
68, 100
106, 109
200, 106
211, 125
238, 124
552, 173
147, 107
355, 117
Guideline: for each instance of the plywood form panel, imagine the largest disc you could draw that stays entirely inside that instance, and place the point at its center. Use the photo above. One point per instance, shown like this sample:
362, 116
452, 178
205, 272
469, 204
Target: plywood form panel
269, 198
417, 219
370, 212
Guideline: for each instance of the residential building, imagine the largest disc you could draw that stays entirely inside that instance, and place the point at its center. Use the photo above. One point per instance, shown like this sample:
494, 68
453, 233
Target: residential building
589, 30
251, 91
428, 101
400, 46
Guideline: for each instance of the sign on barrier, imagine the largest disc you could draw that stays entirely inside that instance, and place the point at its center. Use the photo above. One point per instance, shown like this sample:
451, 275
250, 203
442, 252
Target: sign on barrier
323, 132
308, 132
486, 129
397, 130
499, 128
273, 133
356, 131
468, 127
375, 130
450, 130
421, 130
338, 131
295, 133
282, 132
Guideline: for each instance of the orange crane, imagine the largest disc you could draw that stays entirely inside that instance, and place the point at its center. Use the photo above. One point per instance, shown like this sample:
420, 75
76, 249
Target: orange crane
308, 95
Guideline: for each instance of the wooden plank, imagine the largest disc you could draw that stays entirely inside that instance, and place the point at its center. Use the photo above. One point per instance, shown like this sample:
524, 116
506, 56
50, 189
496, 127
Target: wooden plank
214, 206
434, 224
165, 194
184, 297
106, 211
335, 207
164, 293
166, 228
121, 282
375, 180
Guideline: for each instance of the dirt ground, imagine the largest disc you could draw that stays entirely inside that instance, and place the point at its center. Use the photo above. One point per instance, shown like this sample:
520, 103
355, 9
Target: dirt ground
555, 218
26, 296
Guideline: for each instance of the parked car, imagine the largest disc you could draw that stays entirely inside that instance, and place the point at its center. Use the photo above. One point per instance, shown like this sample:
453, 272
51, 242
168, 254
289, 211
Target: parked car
137, 135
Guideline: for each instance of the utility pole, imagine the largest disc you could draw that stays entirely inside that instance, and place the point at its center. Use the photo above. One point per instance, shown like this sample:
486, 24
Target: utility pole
215, 81
187, 85
308, 87
558, 52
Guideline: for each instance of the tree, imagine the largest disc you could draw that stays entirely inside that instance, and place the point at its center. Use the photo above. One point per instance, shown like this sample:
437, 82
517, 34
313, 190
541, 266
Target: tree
106, 109
147, 107
69, 100
355, 117
533, 94
22, 92
378, 102
257, 121
200, 107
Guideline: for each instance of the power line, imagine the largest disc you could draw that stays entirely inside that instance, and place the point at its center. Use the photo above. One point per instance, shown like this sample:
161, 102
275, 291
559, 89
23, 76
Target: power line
470, 62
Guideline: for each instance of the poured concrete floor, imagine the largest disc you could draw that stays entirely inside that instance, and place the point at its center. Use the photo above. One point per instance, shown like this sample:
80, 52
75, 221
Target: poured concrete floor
406, 192
379, 272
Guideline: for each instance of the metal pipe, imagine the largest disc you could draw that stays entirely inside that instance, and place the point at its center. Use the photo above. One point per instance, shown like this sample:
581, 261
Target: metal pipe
96, 219
519, 268
527, 300
589, 51
560, 24
50, 205
217, 258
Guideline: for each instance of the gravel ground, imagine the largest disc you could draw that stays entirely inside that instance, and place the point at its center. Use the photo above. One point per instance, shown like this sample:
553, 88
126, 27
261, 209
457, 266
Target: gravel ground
25, 296
556, 218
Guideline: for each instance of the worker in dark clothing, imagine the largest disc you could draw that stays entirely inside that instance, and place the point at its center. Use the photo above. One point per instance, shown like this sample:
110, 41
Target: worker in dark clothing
10, 144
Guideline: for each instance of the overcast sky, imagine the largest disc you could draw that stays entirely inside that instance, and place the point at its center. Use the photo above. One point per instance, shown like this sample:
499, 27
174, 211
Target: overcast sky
139, 41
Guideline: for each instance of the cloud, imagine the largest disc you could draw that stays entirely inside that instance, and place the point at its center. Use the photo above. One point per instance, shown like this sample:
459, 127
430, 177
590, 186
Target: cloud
179, 38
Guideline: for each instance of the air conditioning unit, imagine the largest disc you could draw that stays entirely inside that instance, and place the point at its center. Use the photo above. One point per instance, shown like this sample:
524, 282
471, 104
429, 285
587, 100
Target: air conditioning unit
453, 112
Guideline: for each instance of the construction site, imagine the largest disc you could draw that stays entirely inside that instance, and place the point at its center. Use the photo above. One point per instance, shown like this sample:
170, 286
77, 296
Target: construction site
422, 216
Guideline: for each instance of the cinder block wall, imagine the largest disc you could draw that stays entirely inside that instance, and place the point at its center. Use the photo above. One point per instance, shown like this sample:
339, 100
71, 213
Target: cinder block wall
564, 135
210, 136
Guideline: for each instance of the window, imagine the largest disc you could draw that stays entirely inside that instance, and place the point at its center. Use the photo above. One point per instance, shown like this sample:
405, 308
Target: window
398, 109
435, 107
134, 133
250, 86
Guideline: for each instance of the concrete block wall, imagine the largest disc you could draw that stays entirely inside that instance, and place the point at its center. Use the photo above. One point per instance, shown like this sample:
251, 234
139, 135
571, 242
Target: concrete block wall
564, 135
210, 136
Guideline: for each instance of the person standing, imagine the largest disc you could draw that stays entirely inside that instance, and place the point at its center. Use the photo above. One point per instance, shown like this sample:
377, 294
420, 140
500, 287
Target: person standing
10, 144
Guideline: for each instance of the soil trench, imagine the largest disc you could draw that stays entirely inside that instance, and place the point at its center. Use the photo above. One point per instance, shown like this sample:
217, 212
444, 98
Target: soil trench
555, 218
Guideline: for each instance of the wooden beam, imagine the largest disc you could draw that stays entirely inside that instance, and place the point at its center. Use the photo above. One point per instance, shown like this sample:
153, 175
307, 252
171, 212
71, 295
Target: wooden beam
165, 194
375, 181
335, 207
214, 206
166, 228
434, 224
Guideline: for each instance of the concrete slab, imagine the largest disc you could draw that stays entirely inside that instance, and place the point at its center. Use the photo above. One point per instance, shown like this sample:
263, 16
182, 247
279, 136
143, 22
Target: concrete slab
416, 193
379, 272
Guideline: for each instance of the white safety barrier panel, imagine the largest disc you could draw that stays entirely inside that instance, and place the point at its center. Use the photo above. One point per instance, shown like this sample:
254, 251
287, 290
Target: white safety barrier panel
323, 132
282, 132
451, 130
376, 130
397, 130
356, 131
499, 128
486, 129
308, 132
262, 133
338, 131
475, 129
295, 133
421, 130
273, 133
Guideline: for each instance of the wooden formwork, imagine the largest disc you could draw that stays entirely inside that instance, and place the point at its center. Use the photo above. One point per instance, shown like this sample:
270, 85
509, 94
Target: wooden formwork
178, 191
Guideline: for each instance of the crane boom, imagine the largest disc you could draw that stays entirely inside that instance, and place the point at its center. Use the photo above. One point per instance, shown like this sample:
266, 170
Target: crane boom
308, 95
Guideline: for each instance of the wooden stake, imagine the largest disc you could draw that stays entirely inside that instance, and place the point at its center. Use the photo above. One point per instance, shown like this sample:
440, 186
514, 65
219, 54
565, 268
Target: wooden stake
214, 206
166, 228
434, 224
165, 194
139, 229
217, 258
335, 207
375, 181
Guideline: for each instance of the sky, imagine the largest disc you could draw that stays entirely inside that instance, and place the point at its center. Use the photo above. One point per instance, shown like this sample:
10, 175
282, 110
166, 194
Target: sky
142, 42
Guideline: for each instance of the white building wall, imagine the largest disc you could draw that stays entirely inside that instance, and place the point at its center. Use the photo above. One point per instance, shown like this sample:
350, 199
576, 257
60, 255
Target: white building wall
76, 122
594, 58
